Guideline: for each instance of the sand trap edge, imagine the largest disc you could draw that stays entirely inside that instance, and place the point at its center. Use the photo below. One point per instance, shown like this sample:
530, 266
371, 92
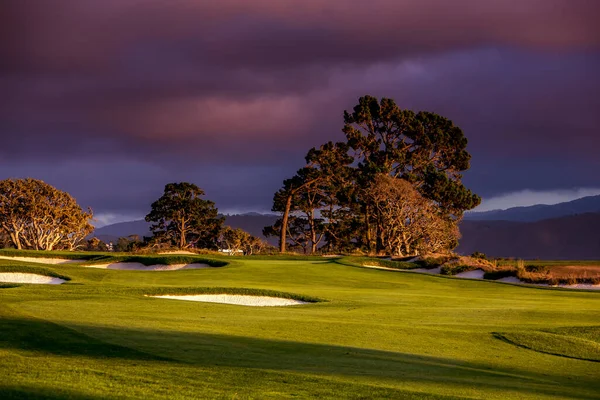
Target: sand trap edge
135, 266
23, 277
236, 299
42, 260
478, 274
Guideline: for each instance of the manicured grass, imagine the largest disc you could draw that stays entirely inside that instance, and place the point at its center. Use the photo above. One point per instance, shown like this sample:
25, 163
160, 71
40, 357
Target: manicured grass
378, 334
582, 343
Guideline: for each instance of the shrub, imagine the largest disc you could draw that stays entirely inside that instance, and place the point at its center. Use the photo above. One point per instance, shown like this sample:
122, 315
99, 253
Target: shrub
457, 269
499, 274
432, 262
479, 255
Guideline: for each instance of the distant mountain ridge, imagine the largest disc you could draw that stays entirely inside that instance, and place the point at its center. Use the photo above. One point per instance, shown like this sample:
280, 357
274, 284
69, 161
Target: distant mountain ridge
570, 232
590, 204
572, 237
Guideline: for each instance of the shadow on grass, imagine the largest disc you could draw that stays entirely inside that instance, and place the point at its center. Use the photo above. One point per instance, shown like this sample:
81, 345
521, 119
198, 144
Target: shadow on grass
31, 393
42, 336
214, 351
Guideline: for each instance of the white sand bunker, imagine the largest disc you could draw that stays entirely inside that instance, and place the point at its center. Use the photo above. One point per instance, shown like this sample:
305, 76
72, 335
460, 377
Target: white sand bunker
240, 300
581, 286
178, 252
475, 274
42, 260
380, 267
21, 277
134, 266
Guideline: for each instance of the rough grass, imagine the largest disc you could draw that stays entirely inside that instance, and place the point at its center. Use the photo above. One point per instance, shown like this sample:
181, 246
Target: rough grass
465, 264
379, 262
379, 335
33, 270
579, 342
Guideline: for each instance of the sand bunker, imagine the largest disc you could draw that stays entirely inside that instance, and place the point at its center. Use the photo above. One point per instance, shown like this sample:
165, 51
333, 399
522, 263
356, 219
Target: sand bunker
515, 280
134, 266
42, 260
178, 252
20, 277
380, 267
240, 300
585, 286
475, 274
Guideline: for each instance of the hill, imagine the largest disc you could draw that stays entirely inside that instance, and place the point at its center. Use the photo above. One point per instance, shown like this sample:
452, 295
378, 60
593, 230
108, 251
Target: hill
590, 204
570, 237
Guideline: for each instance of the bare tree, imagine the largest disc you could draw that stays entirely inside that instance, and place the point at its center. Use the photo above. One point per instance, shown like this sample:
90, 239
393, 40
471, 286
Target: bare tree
408, 223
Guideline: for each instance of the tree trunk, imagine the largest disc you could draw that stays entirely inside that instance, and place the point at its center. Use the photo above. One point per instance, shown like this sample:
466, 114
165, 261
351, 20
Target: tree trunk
369, 233
284, 223
182, 231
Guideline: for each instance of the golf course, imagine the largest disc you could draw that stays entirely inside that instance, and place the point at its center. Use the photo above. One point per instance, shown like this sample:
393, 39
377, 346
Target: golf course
355, 333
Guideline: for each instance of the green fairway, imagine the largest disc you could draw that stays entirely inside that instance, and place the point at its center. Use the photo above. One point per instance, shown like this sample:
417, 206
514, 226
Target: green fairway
373, 334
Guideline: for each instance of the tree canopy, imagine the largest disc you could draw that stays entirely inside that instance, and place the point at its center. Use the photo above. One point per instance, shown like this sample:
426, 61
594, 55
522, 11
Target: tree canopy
183, 219
332, 193
36, 215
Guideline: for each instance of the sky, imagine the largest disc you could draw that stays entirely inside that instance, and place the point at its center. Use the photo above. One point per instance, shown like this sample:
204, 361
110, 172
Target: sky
110, 100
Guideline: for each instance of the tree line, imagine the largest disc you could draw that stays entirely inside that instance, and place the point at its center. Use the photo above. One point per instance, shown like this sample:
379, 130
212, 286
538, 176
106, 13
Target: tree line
35, 215
394, 185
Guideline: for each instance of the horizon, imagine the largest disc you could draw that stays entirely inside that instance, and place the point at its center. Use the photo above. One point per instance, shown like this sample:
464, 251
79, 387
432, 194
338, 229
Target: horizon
565, 198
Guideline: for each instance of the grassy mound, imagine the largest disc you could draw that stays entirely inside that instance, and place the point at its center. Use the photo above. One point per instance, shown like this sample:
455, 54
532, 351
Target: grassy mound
67, 255
158, 259
465, 264
379, 262
90, 258
165, 291
33, 270
581, 342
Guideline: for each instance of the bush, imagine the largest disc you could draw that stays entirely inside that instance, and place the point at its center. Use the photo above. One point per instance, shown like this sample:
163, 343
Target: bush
499, 274
432, 262
457, 269
479, 255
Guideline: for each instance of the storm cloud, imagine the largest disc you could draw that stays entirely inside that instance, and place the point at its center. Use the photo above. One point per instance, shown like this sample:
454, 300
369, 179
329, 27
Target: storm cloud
111, 100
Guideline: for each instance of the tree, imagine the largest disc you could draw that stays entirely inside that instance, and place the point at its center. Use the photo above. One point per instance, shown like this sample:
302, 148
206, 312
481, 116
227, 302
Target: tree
37, 216
425, 150
409, 224
237, 241
233, 240
127, 244
95, 244
314, 188
183, 219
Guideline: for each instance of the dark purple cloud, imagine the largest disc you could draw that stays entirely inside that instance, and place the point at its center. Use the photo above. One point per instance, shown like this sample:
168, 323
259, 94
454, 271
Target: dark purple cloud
112, 99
